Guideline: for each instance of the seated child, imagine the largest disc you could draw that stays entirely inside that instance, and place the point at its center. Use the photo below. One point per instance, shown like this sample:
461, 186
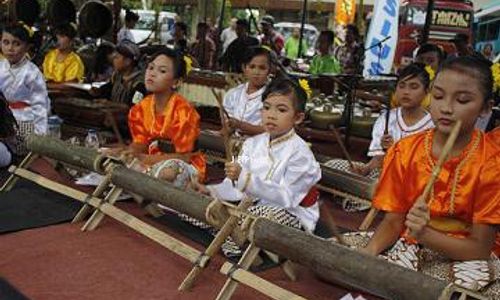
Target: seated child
430, 55
102, 68
324, 62
277, 168
166, 115
244, 102
63, 64
22, 84
127, 81
7, 132
453, 235
409, 118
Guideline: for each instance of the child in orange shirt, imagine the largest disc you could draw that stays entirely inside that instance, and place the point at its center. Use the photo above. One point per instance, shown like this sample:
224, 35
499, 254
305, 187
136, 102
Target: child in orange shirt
453, 235
166, 115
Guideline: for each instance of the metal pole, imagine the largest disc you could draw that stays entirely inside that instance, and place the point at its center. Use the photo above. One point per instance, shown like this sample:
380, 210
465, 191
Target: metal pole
219, 32
302, 24
428, 21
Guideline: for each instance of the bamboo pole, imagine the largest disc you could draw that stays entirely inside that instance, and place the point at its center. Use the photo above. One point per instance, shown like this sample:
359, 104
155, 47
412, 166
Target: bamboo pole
245, 262
12, 180
78, 156
265, 287
343, 265
187, 202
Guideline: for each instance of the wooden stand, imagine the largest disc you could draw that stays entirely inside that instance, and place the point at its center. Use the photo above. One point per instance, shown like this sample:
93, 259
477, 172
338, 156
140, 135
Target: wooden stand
265, 287
215, 245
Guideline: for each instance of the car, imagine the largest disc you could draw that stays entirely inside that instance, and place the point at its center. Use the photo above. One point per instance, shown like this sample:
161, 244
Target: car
311, 34
144, 29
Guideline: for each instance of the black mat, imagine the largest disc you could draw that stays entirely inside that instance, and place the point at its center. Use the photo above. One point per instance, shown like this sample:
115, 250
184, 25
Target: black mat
203, 237
28, 205
8, 292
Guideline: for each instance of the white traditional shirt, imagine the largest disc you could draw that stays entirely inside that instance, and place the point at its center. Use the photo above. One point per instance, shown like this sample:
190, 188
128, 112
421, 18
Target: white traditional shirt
24, 82
397, 129
278, 173
242, 106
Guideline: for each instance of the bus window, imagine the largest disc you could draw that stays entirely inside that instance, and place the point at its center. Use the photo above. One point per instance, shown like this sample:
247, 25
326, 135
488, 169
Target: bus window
492, 33
481, 35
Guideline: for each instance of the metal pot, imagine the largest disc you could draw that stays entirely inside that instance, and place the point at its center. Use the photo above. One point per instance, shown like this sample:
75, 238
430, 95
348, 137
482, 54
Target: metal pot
325, 117
362, 126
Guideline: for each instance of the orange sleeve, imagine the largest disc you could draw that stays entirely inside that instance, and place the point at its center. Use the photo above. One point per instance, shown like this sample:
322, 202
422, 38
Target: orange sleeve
390, 194
136, 124
487, 196
186, 128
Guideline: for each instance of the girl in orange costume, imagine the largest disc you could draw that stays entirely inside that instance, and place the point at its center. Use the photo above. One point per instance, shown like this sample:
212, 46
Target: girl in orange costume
454, 236
166, 115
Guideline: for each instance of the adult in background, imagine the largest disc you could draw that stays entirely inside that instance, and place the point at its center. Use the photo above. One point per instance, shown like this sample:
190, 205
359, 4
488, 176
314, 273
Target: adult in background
349, 55
271, 37
203, 49
463, 47
292, 44
488, 52
233, 58
228, 35
131, 18
430, 55
179, 41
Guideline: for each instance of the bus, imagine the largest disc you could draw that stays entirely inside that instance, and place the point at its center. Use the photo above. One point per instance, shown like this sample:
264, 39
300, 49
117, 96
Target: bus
449, 18
487, 28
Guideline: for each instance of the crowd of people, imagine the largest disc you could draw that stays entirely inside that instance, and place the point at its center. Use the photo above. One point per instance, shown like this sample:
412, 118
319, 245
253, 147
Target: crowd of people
457, 227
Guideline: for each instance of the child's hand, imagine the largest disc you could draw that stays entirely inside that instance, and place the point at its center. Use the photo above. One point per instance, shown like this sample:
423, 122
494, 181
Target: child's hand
233, 123
361, 169
233, 170
417, 218
387, 141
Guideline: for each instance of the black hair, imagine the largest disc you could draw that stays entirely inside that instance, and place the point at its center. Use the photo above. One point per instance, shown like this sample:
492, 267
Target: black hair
176, 57
287, 86
203, 25
66, 29
182, 26
242, 22
101, 57
426, 48
254, 51
19, 31
329, 35
131, 16
415, 70
8, 123
353, 29
475, 66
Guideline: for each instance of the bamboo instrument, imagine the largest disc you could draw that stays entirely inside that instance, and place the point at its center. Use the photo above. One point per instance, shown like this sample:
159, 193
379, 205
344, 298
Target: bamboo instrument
442, 157
345, 266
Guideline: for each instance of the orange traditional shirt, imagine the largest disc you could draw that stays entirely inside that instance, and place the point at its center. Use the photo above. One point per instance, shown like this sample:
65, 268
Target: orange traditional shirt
494, 135
179, 123
467, 190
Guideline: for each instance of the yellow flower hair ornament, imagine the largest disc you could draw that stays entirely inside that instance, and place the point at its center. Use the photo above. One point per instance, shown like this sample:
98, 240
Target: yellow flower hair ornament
431, 72
495, 71
27, 28
305, 86
189, 64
